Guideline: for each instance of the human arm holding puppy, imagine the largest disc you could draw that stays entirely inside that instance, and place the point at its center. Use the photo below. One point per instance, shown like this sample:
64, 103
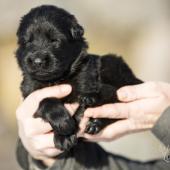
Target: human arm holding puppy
35, 134
142, 105
140, 108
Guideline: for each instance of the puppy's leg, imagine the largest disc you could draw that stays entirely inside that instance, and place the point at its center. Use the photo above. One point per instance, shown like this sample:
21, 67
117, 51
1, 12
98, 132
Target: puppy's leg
94, 126
65, 143
107, 94
85, 101
114, 72
64, 126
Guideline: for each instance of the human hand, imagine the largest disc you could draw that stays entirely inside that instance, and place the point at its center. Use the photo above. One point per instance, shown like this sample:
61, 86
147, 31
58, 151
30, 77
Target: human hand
35, 134
141, 107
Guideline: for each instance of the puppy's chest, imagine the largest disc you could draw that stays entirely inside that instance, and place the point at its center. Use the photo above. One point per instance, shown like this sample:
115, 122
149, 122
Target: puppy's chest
86, 81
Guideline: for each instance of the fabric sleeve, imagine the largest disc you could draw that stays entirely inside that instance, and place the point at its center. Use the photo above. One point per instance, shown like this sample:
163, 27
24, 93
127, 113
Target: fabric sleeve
25, 161
90, 156
162, 128
121, 163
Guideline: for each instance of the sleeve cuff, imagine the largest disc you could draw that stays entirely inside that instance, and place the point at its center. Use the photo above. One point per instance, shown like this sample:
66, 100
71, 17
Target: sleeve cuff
36, 164
162, 128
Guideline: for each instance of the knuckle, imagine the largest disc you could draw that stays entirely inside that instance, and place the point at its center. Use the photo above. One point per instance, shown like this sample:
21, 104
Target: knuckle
117, 110
164, 98
131, 126
150, 83
127, 111
108, 135
133, 109
36, 96
108, 138
32, 95
154, 86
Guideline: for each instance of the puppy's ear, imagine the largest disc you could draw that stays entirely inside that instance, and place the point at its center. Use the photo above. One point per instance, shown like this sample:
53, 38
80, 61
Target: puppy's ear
76, 30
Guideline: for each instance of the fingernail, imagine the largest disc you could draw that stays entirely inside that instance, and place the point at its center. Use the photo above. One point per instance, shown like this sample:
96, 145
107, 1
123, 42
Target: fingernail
122, 94
66, 88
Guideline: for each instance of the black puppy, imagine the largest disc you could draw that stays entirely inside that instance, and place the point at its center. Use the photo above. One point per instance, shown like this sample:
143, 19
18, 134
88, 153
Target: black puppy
52, 50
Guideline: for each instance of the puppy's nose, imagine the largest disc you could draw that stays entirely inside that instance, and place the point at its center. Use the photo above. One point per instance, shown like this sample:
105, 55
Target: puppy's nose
38, 61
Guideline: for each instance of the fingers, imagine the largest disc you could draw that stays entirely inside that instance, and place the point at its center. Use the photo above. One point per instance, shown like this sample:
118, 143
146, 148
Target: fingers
71, 107
82, 126
111, 111
36, 126
32, 101
111, 132
134, 92
51, 152
45, 144
44, 141
35, 133
58, 91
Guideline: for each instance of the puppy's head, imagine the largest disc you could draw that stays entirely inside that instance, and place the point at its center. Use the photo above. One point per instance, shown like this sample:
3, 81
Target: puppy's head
49, 42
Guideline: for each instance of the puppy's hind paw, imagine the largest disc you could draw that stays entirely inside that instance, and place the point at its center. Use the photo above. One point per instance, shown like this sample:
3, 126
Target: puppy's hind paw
65, 143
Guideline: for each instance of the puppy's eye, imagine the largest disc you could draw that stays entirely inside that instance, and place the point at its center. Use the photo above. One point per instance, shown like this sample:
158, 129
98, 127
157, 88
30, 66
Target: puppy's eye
56, 42
53, 39
30, 38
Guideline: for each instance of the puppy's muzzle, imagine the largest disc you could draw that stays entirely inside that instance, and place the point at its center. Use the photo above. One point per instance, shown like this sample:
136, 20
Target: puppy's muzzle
39, 61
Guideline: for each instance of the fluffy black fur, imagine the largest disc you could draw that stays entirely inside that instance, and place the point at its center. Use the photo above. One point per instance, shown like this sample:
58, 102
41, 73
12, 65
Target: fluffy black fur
52, 50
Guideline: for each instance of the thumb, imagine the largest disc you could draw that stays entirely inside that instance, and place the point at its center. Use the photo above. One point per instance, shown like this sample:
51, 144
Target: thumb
135, 92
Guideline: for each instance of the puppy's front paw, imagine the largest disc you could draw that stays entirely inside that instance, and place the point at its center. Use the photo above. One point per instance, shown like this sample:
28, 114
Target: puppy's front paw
65, 143
53, 111
64, 125
88, 100
93, 126
96, 125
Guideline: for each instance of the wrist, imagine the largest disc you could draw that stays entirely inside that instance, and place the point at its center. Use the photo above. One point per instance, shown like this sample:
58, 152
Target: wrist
48, 161
43, 163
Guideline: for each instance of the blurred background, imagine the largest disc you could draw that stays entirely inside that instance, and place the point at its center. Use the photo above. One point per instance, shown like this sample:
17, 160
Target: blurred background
137, 30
